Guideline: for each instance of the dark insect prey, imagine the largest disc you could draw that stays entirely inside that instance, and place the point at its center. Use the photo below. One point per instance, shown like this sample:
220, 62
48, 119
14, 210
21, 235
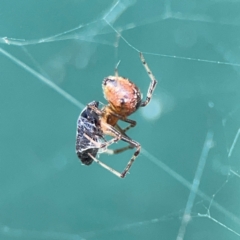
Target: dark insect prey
88, 124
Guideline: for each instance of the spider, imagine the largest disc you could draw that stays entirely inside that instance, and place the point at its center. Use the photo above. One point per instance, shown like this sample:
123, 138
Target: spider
123, 98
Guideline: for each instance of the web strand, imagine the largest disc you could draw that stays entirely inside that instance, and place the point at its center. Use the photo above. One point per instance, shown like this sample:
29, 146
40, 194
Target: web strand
195, 185
108, 19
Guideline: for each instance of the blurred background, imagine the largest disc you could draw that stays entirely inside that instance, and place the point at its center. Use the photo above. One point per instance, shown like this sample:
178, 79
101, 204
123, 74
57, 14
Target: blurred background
192, 48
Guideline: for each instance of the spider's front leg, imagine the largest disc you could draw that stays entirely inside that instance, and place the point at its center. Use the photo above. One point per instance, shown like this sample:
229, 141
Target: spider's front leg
153, 82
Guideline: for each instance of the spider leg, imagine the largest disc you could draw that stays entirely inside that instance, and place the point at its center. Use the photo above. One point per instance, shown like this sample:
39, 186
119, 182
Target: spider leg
152, 84
132, 143
126, 170
95, 109
132, 123
106, 166
102, 145
119, 150
123, 132
130, 126
136, 153
108, 143
116, 69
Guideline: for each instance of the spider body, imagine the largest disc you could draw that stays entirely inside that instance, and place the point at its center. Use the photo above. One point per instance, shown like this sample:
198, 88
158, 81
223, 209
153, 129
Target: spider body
123, 98
88, 123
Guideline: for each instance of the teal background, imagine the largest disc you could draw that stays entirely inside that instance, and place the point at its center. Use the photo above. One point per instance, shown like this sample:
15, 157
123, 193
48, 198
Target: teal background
45, 192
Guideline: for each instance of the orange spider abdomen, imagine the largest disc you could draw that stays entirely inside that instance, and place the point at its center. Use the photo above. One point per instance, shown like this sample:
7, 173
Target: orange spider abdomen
123, 95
